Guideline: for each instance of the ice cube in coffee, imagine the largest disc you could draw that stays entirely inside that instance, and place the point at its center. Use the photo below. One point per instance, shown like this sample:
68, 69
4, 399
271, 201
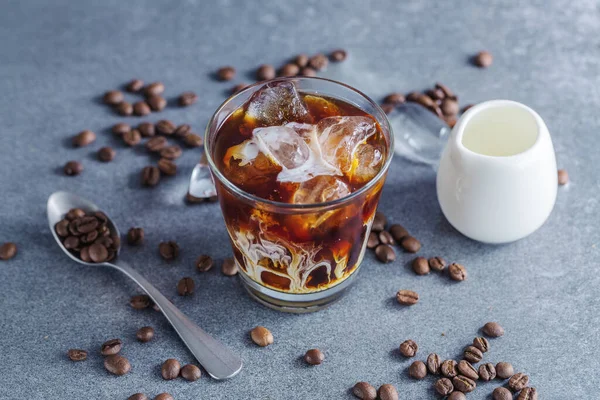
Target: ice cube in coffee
298, 173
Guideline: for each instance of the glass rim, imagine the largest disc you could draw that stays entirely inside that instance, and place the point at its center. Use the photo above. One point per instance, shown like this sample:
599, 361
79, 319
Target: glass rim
249, 196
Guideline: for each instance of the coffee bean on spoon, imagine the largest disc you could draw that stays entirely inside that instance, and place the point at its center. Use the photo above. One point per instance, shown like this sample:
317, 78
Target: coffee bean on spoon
314, 357
7, 251
187, 99
261, 336
145, 334
407, 297
387, 392
385, 253
117, 365
364, 391
170, 369
74, 213
190, 372
409, 348
77, 355
135, 85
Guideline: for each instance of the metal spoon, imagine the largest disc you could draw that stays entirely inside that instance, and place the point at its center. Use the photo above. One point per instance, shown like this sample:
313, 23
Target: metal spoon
217, 360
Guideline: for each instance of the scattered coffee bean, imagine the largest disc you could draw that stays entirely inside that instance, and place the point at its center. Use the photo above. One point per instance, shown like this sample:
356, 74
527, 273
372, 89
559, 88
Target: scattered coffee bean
472, 354
318, 62
289, 70
164, 396
493, 329
483, 59
150, 176
117, 365
314, 356
186, 286
140, 301
502, 393
170, 369
449, 368
409, 348
238, 88
465, 368
261, 336
420, 266
265, 72
190, 372
433, 364
193, 140
7, 251
518, 381
146, 129
154, 89
487, 372
165, 127
111, 347
156, 103
141, 108
229, 267
182, 130
77, 354
436, 94
446, 90
398, 232
387, 392
528, 393
132, 137
84, 138
463, 384
444, 386
449, 107
457, 272
482, 344
168, 250
124, 108
504, 370
156, 144
387, 108
167, 166
301, 60
145, 334
308, 71
407, 297
386, 238
457, 396
226, 73
437, 263
187, 99
113, 97
364, 391
385, 253
135, 236
120, 129
394, 98
135, 85
563, 177
138, 396
373, 240
417, 370
106, 154
204, 263
379, 222
338, 55
410, 244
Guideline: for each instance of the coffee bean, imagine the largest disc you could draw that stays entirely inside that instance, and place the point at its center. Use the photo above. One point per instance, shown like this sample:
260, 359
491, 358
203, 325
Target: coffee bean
167, 167
261, 336
314, 357
229, 267
394, 98
483, 59
73, 168
72, 242
449, 368
420, 266
407, 297
145, 334
364, 391
186, 286
308, 71
563, 177
62, 228
182, 131
120, 129
113, 97
504, 370
117, 365
385, 253
518, 381
84, 138
301, 60
154, 89
437, 263
238, 88
156, 103
410, 244
265, 72
528, 393
493, 329
379, 222
412, 96
387, 108
156, 144
132, 137
226, 73
190, 372
446, 90
170, 369
465, 368
141, 108
444, 386
289, 70
204, 263
124, 108
482, 344
106, 154
165, 127
7, 251
449, 107
421, 99
138, 396
193, 140
398, 232
135, 85
84, 254
502, 393
487, 372
318, 62
386, 238
433, 364
457, 396
338, 55
77, 354
472, 354
417, 370
187, 99
75, 213
98, 253
111, 347
168, 250
150, 176
372, 241
135, 236
409, 348
140, 301
436, 94
463, 384
387, 392
164, 396
457, 272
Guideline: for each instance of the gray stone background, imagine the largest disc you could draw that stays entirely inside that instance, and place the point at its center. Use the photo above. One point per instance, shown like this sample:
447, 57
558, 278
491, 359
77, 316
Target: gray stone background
58, 57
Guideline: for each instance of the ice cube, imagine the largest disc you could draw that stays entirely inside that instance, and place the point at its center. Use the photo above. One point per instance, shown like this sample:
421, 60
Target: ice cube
282, 145
320, 189
366, 163
276, 104
340, 136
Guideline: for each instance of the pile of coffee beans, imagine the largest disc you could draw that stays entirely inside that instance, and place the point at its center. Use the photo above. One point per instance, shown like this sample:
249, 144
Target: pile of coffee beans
382, 241
88, 236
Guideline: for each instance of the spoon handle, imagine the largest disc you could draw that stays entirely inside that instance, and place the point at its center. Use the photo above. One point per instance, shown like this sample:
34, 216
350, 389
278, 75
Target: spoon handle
217, 360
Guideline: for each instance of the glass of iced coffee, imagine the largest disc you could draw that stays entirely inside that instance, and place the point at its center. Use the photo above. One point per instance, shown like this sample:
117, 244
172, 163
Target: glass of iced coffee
298, 165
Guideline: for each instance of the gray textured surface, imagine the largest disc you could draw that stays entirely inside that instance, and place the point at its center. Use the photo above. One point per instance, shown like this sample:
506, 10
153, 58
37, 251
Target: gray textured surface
57, 57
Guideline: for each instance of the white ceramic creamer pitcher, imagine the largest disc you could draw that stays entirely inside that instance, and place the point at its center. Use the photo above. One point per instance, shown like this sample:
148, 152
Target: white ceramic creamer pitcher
497, 178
